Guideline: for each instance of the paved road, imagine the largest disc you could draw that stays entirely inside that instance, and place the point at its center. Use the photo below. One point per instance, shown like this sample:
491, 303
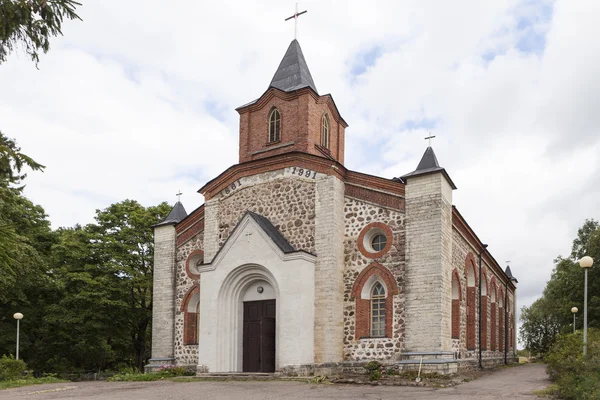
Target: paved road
510, 383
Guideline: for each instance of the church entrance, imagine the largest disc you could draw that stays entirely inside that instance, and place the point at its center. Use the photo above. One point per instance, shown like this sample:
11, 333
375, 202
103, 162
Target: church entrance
259, 336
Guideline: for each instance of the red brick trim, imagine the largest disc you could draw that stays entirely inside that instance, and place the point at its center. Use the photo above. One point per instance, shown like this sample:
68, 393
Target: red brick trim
386, 230
190, 220
373, 196
186, 299
363, 306
470, 261
493, 285
494, 312
484, 319
456, 275
193, 255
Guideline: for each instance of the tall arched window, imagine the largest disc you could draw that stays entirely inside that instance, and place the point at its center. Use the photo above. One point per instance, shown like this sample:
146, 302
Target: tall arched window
378, 310
484, 313
455, 306
501, 320
325, 131
190, 306
471, 301
494, 314
274, 126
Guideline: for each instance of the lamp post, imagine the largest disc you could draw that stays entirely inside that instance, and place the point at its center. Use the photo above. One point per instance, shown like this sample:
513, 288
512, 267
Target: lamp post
18, 316
574, 311
585, 263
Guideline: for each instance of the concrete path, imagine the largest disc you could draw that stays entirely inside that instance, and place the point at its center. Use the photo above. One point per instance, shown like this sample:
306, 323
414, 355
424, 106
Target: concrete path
510, 383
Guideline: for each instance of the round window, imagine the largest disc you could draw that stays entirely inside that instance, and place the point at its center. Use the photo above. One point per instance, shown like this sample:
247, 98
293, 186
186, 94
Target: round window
378, 242
193, 262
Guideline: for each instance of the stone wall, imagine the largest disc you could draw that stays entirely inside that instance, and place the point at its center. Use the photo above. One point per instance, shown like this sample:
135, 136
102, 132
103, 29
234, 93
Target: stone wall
428, 263
289, 203
184, 355
358, 215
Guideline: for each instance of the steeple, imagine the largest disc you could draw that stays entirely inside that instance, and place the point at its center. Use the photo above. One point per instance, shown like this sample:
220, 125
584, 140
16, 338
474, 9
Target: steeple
509, 274
293, 73
177, 214
428, 165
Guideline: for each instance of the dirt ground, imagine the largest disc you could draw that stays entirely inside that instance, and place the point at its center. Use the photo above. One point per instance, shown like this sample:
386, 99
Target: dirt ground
507, 383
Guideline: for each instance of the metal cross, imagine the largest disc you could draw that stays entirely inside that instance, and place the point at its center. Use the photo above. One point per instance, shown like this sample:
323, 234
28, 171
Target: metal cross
248, 236
179, 196
429, 137
295, 16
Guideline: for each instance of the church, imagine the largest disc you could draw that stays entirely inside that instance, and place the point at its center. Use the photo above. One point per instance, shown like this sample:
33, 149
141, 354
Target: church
297, 265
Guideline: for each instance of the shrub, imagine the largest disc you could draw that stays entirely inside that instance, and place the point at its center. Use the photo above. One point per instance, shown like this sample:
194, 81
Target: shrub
576, 377
374, 370
11, 369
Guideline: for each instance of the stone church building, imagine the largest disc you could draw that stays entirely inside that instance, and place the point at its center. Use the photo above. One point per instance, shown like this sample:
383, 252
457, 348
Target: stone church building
295, 263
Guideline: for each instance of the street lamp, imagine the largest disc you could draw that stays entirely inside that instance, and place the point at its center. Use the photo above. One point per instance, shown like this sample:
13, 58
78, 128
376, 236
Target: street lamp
18, 316
585, 263
574, 311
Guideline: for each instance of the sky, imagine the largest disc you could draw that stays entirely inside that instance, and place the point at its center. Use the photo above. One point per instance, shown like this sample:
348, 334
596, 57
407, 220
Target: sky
137, 101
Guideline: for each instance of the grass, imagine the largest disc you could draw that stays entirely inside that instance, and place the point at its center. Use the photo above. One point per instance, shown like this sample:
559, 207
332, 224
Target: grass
550, 392
29, 381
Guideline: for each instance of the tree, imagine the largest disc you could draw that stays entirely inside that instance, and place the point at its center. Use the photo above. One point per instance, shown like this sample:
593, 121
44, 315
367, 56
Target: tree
540, 326
31, 24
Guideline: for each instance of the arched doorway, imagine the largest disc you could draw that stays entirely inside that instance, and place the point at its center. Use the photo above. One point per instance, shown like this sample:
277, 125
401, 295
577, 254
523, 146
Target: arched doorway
247, 321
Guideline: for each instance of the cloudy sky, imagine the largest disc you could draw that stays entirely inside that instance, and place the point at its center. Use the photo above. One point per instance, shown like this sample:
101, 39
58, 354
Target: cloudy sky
137, 101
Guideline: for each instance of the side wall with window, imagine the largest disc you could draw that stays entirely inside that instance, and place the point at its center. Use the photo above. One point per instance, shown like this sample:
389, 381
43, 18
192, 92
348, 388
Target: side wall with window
374, 254
188, 255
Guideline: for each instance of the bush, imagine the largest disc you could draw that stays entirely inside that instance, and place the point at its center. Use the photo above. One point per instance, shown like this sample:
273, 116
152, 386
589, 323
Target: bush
576, 377
11, 369
167, 371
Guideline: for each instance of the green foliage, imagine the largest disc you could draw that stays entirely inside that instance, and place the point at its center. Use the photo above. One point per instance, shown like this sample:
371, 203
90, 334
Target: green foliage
551, 314
31, 23
162, 373
29, 381
11, 369
372, 365
576, 377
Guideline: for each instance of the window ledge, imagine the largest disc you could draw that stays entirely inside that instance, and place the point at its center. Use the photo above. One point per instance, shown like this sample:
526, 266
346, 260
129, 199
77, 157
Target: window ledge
274, 146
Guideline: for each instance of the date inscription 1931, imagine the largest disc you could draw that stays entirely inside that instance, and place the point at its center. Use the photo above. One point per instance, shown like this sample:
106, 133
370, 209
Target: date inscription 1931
232, 187
307, 173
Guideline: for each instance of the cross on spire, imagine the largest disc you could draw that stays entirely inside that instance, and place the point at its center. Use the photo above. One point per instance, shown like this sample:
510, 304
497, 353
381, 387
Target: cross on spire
178, 194
429, 137
295, 16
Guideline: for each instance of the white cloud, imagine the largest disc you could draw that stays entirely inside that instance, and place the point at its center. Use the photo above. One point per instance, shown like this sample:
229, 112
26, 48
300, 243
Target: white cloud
137, 101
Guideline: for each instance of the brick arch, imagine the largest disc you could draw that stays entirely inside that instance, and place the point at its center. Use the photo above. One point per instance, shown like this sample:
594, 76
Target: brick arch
470, 266
363, 306
501, 319
381, 227
190, 318
192, 258
456, 304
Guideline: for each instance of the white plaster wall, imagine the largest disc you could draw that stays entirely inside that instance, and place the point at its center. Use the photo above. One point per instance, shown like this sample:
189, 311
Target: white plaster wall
247, 258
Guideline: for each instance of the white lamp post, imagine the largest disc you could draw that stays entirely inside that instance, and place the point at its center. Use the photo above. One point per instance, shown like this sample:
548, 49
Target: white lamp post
18, 316
574, 311
585, 263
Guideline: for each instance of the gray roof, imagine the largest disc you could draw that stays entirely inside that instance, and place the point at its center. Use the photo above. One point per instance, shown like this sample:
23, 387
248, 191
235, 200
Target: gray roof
273, 233
508, 273
177, 214
429, 164
293, 73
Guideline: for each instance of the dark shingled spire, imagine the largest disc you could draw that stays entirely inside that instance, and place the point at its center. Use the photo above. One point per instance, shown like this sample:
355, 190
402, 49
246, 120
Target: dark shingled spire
293, 73
508, 273
429, 164
177, 214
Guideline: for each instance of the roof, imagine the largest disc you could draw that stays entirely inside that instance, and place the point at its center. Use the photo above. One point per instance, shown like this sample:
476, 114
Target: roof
177, 214
293, 73
273, 233
428, 165
509, 274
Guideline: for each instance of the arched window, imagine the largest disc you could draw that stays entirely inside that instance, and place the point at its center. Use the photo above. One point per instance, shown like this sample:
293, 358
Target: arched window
471, 301
374, 290
377, 310
274, 126
455, 306
191, 314
325, 131
484, 313
494, 314
501, 320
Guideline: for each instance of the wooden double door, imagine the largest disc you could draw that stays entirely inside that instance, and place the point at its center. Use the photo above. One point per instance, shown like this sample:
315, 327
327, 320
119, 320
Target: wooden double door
259, 336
